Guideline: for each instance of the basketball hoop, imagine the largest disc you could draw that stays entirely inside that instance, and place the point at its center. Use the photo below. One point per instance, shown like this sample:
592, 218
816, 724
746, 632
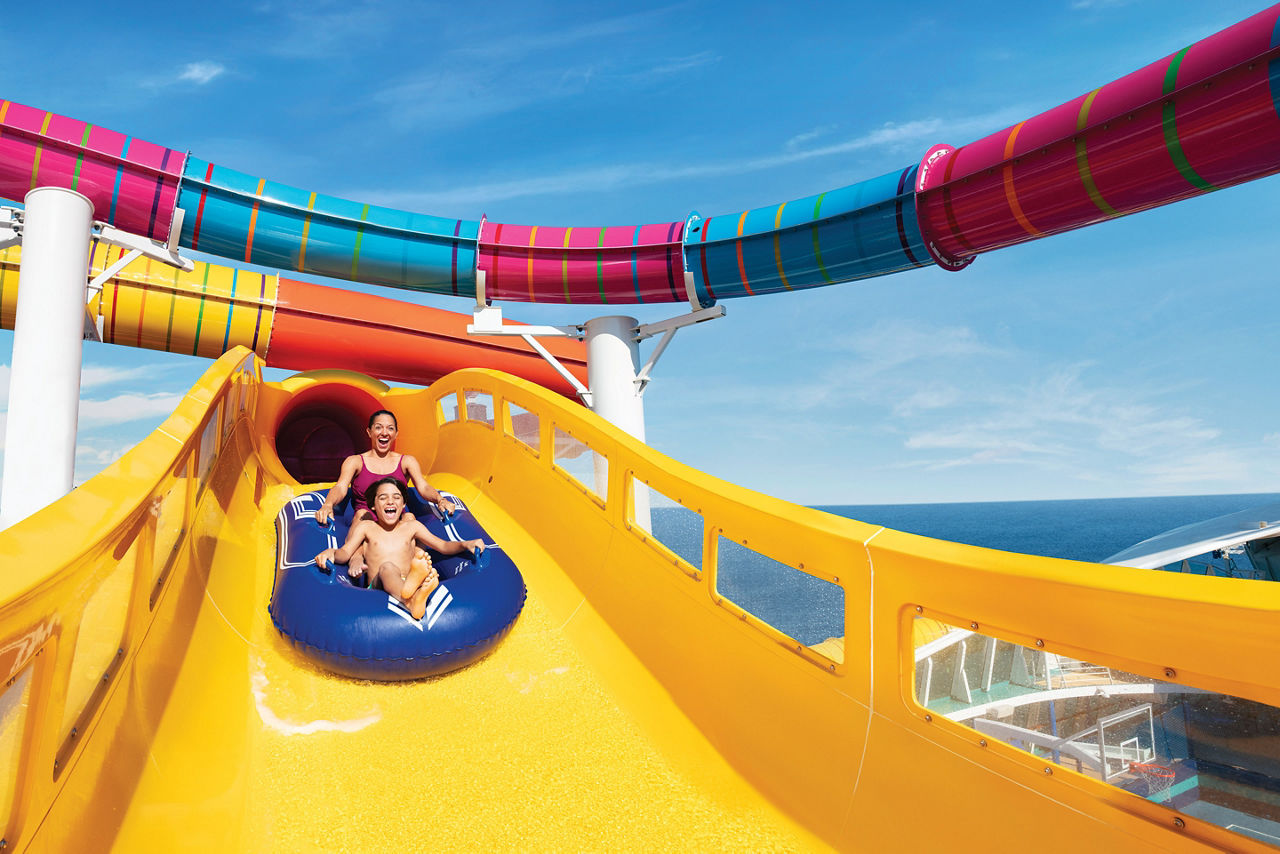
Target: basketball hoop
1157, 777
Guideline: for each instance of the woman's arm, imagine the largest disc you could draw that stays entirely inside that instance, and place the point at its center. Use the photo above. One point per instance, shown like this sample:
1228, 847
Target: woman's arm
339, 490
426, 490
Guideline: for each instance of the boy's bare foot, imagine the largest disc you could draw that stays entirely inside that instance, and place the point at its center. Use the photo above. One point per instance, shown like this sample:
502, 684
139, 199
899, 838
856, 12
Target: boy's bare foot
420, 569
418, 601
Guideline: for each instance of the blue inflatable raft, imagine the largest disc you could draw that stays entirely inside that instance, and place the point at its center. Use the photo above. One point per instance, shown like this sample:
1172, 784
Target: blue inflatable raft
369, 634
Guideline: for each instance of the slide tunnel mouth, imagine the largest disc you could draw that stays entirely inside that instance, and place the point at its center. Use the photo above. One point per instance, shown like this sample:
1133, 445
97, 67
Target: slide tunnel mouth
322, 427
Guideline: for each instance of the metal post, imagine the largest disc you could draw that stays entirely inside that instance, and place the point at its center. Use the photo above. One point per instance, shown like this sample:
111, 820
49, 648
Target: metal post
613, 362
44, 382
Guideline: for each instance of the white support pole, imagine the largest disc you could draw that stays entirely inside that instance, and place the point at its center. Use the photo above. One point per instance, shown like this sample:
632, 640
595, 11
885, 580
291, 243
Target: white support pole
616, 381
44, 381
613, 361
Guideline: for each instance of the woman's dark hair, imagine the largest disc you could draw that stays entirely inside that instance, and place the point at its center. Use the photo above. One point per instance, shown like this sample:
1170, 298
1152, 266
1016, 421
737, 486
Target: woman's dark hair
374, 417
372, 491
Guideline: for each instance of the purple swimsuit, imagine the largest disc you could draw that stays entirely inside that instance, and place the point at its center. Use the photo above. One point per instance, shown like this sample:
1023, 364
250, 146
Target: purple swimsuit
365, 479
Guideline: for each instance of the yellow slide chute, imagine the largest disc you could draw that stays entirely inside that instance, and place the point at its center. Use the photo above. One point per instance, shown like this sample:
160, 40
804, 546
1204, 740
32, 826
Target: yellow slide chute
151, 705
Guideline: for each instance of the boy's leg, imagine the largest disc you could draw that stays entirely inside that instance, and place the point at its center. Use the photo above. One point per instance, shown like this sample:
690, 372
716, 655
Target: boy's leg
355, 566
420, 570
390, 576
418, 601
431, 580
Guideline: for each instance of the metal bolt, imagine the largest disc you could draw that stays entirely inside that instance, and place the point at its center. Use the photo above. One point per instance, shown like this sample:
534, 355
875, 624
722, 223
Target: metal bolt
1169, 673
1039, 642
973, 626
919, 609
837, 579
802, 565
1048, 772
928, 719
982, 742
1179, 823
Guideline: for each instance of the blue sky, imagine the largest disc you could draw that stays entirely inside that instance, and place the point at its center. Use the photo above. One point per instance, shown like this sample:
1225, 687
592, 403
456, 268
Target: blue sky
1126, 359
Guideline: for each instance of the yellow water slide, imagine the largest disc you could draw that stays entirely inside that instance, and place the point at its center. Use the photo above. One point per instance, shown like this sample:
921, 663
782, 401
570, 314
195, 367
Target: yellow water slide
150, 704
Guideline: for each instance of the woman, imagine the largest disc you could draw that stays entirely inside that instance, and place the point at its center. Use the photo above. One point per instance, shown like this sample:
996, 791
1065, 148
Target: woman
360, 471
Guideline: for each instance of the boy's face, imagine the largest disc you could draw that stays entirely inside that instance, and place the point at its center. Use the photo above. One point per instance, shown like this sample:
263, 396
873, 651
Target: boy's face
388, 504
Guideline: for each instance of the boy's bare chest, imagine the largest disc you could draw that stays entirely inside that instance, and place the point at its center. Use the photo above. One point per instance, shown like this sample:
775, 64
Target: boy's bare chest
397, 538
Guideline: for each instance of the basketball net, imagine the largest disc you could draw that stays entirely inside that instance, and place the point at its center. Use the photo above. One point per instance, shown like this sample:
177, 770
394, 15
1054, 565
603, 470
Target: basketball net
1158, 778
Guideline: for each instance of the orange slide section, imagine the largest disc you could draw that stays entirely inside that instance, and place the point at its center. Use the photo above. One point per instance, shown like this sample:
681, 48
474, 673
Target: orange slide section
293, 325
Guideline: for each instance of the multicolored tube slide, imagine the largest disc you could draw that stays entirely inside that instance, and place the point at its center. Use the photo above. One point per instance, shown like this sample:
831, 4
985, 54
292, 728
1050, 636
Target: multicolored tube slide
293, 325
1201, 119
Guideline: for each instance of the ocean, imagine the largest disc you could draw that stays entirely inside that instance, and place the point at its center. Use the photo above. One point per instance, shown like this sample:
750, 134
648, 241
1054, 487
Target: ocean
1089, 529
811, 610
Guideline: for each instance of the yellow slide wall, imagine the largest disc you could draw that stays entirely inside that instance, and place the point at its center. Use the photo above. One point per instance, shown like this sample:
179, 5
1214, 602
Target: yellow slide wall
150, 703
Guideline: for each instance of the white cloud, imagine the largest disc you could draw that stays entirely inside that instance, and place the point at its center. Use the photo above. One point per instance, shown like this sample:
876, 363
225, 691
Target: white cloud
808, 136
913, 136
1065, 425
193, 73
682, 64
99, 375
126, 407
1081, 5
201, 73
312, 30
1224, 468
495, 72
926, 399
893, 343
98, 455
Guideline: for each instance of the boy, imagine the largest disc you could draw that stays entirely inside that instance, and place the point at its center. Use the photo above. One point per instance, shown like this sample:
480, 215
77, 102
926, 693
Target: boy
390, 557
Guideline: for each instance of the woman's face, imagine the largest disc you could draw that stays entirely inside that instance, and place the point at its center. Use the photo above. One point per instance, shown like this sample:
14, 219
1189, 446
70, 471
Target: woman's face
382, 434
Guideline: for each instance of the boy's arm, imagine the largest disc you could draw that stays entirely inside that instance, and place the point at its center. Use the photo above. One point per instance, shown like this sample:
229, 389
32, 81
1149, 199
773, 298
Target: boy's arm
445, 547
355, 537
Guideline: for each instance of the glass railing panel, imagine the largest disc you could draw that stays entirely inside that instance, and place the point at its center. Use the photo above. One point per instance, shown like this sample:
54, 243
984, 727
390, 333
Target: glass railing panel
1212, 756
526, 426
807, 608
209, 445
99, 637
479, 405
168, 506
677, 531
231, 404
14, 702
1224, 566
582, 463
